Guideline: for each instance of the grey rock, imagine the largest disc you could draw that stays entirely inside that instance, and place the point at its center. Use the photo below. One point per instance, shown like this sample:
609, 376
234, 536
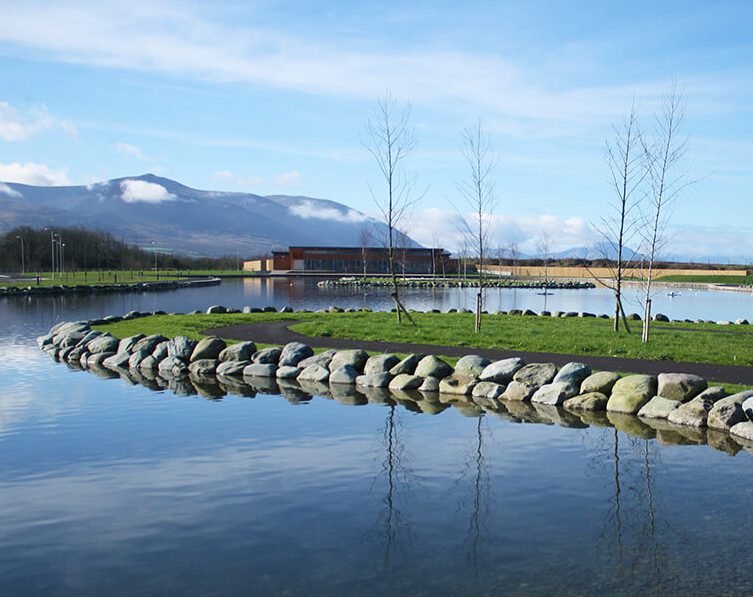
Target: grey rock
241, 351
407, 365
232, 368
471, 365
374, 380
600, 382
430, 384
134, 360
518, 391
173, 365
630, 393
458, 384
314, 373
535, 375
148, 343
127, 344
588, 401
381, 363
148, 363
103, 343
501, 372
98, 358
356, 358
161, 351
680, 386
743, 430
260, 370
344, 374
555, 393
695, 412
572, 373
216, 309
293, 353
658, 408
431, 366
487, 389
267, 356
323, 359
204, 367
728, 411
181, 346
208, 348
119, 359
288, 372
405, 382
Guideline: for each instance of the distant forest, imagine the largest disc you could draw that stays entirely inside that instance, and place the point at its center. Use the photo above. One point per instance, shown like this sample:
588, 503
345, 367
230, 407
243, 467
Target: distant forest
79, 249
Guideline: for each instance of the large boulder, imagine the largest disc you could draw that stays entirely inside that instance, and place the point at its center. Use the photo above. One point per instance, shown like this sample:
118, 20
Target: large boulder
431, 366
407, 365
148, 363
293, 353
323, 359
573, 374
471, 365
381, 363
103, 343
134, 360
600, 382
148, 343
728, 411
119, 359
458, 383
267, 356
743, 430
555, 393
518, 391
127, 344
374, 380
356, 358
501, 372
98, 358
695, 412
160, 351
232, 368
204, 367
288, 372
630, 393
487, 389
242, 351
535, 375
260, 370
344, 374
172, 365
181, 346
748, 408
208, 348
314, 373
658, 408
405, 382
680, 386
430, 384
588, 401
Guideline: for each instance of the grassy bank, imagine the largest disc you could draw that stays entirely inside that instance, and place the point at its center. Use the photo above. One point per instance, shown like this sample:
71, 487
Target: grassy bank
586, 337
736, 280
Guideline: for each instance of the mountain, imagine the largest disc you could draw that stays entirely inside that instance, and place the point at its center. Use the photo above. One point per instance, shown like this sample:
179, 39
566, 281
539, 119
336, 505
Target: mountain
601, 250
149, 209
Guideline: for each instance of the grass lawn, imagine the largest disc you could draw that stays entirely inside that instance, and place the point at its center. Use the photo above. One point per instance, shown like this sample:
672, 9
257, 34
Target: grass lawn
736, 280
677, 342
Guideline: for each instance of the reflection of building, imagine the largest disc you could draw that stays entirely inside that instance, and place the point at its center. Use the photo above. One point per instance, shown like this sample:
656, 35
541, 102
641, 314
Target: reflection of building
351, 260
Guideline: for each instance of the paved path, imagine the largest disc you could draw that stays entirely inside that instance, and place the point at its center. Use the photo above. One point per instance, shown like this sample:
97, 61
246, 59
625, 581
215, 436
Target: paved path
278, 332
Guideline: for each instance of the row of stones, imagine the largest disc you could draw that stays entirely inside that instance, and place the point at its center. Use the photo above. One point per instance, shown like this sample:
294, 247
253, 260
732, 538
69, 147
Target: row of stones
683, 399
102, 288
470, 283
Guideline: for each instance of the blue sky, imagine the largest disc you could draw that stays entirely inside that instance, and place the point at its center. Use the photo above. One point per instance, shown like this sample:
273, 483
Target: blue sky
272, 97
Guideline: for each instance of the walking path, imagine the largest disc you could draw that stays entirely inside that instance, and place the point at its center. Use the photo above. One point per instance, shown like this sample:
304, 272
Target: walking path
278, 332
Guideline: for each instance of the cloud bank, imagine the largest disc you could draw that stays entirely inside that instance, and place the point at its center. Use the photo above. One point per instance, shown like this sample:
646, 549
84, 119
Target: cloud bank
6, 190
17, 125
33, 174
312, 210
133, 191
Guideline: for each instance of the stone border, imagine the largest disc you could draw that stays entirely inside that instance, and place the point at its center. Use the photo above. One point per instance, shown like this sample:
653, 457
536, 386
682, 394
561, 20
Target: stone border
104, 288
507, 385
468, 283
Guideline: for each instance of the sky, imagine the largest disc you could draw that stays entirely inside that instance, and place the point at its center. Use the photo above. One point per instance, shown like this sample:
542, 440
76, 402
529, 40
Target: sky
273, 98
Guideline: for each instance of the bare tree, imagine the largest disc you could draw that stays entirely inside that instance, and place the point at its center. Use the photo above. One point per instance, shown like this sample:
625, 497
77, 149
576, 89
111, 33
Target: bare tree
478, 194
514, 252
666, 183
390, 139
543, 247
627, 171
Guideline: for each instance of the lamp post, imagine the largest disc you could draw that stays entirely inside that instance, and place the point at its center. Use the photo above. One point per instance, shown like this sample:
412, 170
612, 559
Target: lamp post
23, 260
62, 258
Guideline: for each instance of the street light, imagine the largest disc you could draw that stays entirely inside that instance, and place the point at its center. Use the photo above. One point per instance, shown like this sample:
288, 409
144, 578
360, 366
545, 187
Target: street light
23, 261
62, 258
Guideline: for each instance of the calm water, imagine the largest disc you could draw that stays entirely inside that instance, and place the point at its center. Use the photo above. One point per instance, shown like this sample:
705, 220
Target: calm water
109, 487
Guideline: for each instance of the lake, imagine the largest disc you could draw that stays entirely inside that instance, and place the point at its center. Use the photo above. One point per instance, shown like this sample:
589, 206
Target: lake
110, 487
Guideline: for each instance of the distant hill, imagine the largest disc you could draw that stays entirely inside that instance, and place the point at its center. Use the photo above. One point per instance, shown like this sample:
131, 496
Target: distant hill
602, 250
150, 209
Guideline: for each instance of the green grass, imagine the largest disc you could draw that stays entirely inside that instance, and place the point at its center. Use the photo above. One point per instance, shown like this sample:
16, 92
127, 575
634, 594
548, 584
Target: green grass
585, 337
92, 278
736, 280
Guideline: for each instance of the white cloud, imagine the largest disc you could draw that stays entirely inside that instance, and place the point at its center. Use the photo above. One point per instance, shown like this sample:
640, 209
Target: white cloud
6, 190
285, 179
16, 125
33, 174
310, 209
128, 149
133, 191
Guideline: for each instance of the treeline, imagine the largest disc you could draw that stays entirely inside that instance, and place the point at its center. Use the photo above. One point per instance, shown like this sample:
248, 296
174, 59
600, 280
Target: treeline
595, 263
79, 249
